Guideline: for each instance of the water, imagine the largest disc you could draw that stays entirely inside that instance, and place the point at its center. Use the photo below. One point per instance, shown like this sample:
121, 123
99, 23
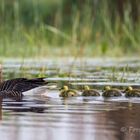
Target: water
44, 115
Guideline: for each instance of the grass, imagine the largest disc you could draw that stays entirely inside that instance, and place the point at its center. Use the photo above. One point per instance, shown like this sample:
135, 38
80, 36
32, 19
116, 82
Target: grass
25, 43
27, 35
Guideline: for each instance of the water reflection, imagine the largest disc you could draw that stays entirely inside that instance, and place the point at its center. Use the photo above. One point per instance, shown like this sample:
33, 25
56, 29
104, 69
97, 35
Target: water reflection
70, 120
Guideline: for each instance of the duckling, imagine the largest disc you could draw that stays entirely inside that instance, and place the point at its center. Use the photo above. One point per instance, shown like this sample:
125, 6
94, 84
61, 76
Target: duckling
90, 92
66, 92
111, 92
130, 92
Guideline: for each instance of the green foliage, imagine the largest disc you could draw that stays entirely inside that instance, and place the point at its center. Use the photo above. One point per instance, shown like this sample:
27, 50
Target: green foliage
38, 27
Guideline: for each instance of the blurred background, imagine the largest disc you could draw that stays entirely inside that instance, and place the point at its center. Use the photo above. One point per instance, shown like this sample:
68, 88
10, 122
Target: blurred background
48, 28
71, 42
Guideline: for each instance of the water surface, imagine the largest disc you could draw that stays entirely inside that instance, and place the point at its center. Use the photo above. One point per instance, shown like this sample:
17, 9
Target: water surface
42, 116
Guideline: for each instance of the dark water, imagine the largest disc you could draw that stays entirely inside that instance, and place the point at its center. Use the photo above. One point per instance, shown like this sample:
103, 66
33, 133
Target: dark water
43, 115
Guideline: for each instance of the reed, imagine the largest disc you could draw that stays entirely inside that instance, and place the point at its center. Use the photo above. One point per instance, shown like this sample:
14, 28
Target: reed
65, 28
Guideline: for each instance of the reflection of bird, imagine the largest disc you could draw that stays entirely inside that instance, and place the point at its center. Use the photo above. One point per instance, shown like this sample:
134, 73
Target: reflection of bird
111, 92
15, 87
130, 92
90, 92
66, 92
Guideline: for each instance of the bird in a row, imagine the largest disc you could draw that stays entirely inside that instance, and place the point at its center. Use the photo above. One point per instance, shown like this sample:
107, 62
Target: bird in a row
14, 88
107, 92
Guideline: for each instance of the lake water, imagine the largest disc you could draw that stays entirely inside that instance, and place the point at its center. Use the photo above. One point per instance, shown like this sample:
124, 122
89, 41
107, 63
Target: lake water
44, 115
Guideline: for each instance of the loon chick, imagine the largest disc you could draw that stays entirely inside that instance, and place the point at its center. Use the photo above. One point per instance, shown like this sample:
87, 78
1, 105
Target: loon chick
90, 92
66, 92
15, 87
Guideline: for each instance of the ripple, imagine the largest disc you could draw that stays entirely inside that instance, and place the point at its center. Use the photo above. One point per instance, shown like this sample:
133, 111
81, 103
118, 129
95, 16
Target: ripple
42, 116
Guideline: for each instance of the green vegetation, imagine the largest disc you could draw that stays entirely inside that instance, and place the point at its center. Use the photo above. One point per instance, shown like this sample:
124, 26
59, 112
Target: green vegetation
41, 28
